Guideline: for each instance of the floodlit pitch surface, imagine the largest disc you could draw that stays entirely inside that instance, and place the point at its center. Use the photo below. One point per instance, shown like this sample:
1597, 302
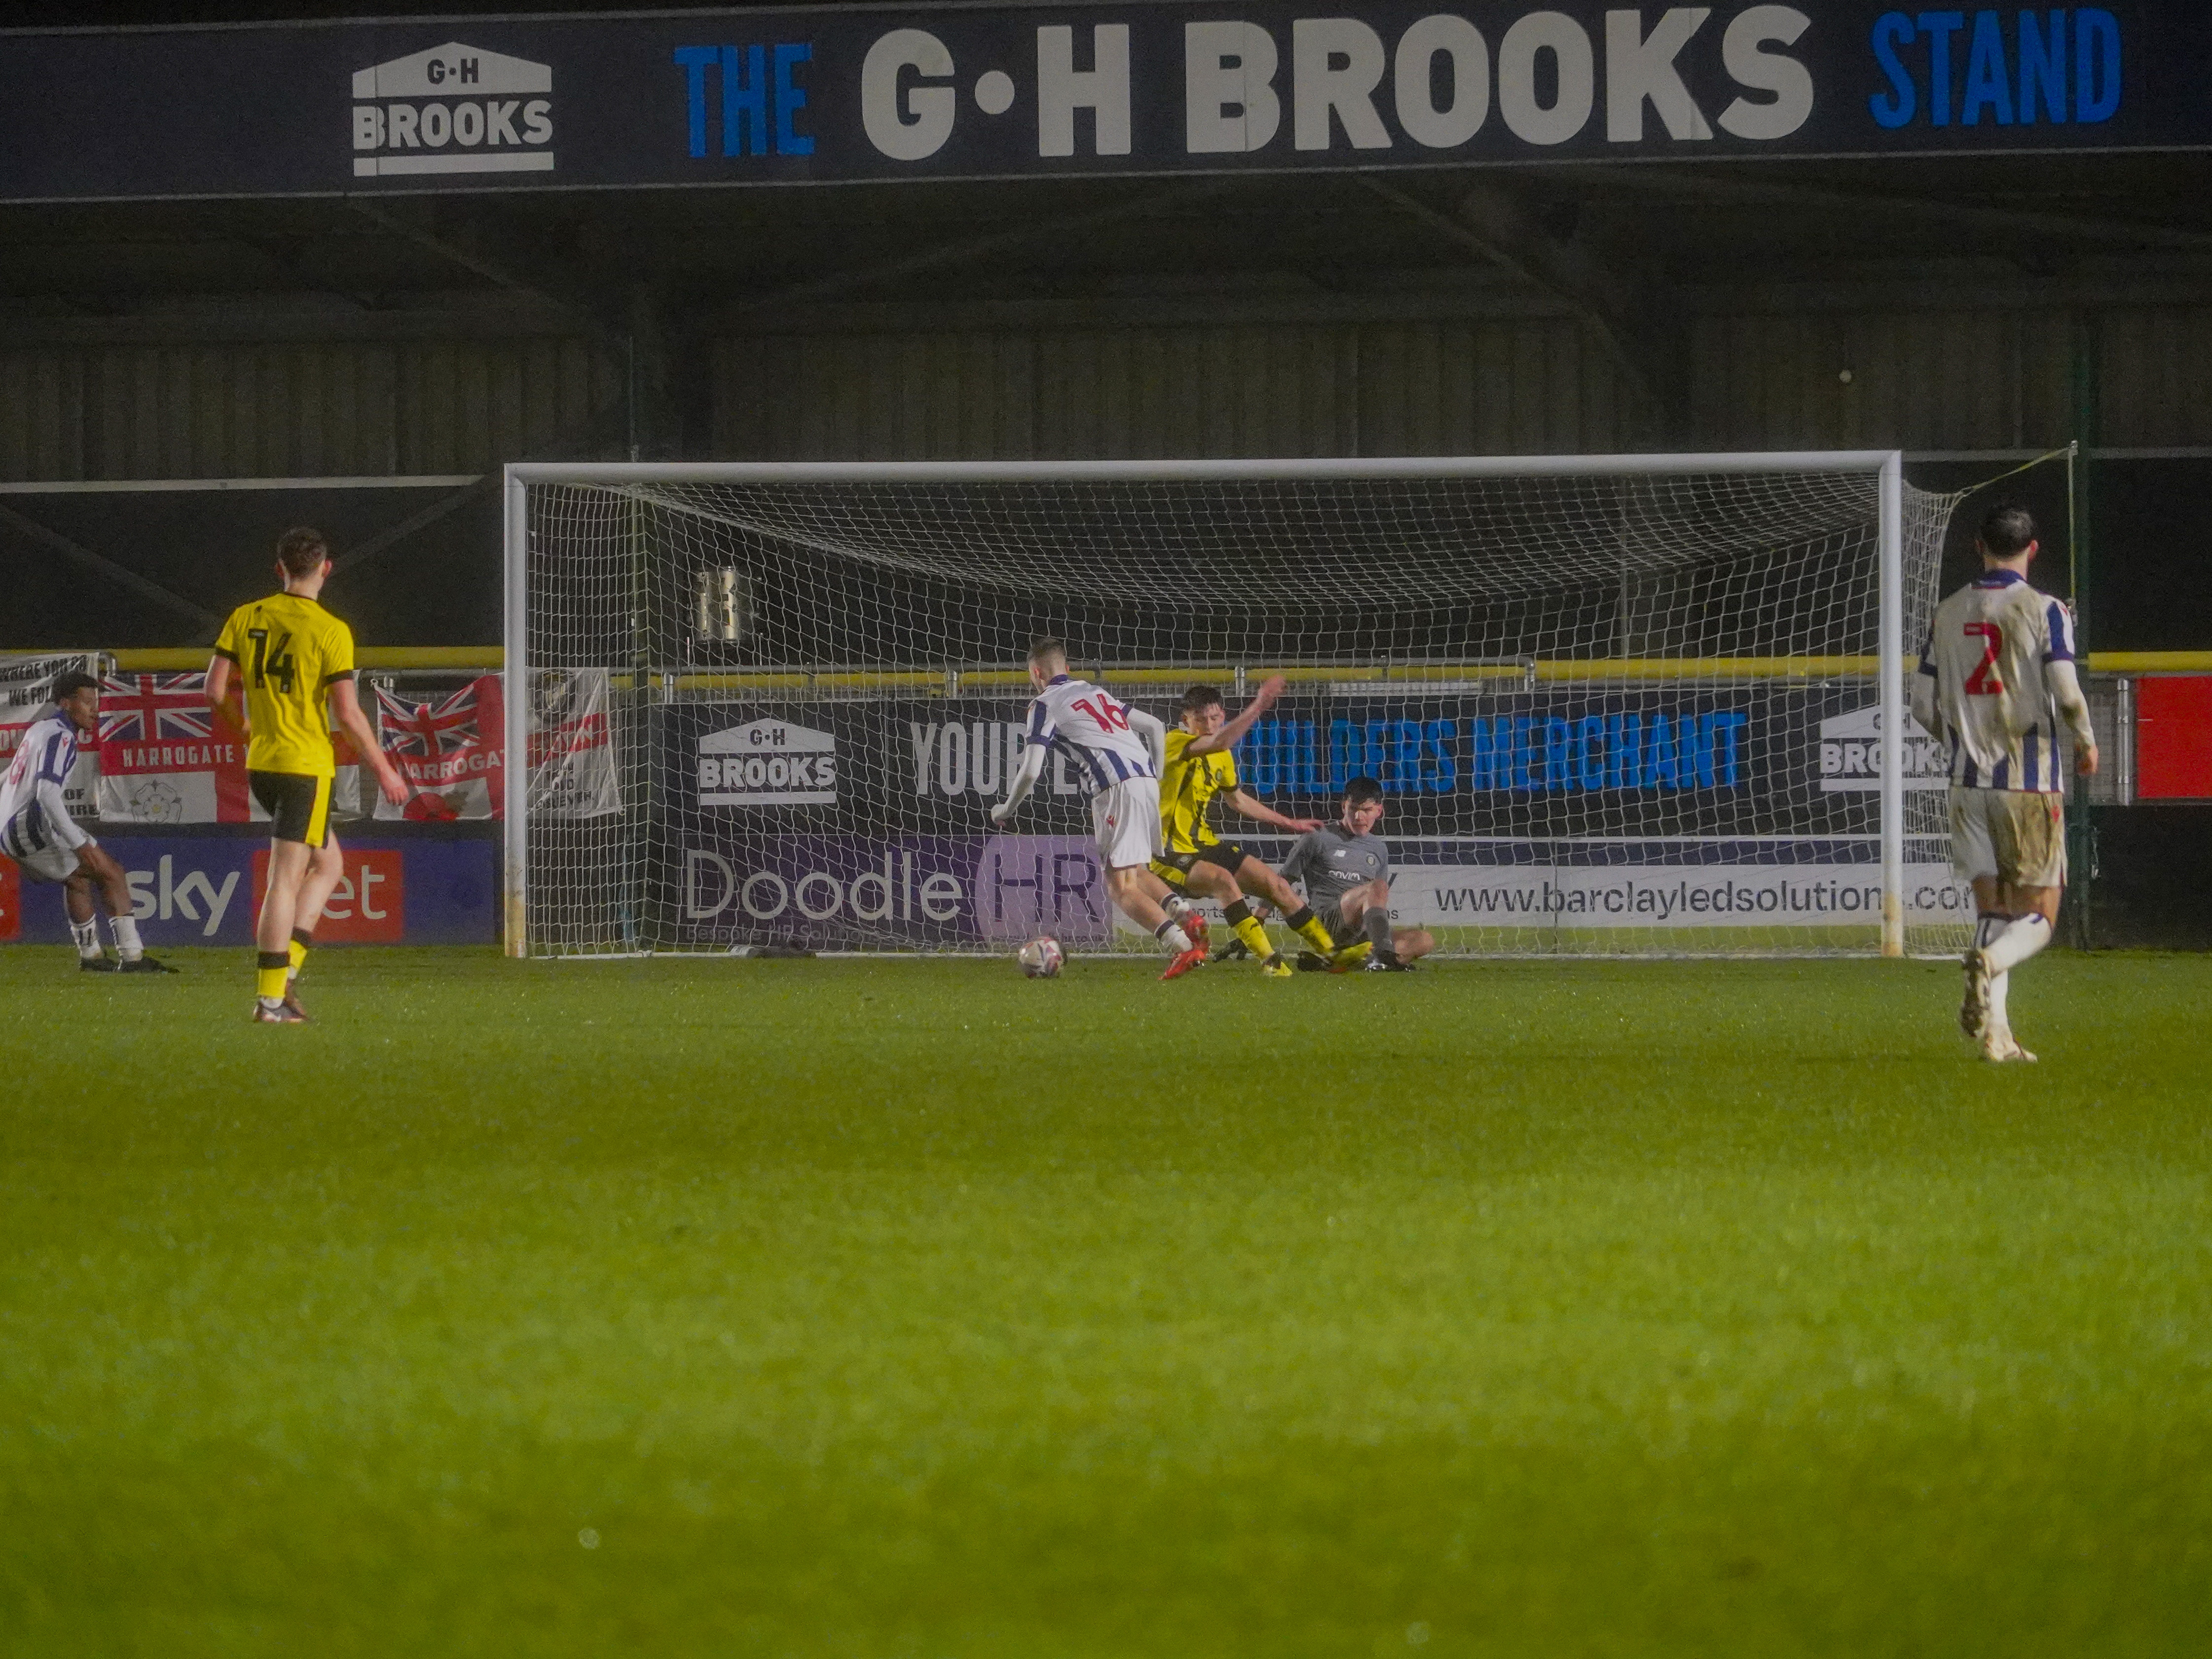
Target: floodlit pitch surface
916, 1308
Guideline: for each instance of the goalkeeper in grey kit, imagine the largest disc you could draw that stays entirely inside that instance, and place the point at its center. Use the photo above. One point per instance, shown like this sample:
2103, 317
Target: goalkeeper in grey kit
1346, 870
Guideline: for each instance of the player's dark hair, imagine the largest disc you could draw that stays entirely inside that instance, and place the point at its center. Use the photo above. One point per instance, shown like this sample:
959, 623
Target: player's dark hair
1360, 791
72, 683
302, 552
2006, 531
1201, 696
1048, 647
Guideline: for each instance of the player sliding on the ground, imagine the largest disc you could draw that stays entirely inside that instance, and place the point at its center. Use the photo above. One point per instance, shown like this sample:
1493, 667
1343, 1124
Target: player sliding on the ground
37, 831
291, 656
1346, 870
1201, 767
1108, 741
1996, 676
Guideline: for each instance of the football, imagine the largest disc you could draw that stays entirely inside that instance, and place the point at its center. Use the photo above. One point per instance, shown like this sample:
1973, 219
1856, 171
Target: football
1041, 958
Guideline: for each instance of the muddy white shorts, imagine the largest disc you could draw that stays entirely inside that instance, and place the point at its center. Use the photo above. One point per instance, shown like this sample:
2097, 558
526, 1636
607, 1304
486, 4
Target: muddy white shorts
2014, 835
1126, 817
30, 840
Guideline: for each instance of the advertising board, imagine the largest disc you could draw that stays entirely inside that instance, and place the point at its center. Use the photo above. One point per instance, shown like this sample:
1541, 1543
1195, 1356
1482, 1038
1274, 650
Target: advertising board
829, 93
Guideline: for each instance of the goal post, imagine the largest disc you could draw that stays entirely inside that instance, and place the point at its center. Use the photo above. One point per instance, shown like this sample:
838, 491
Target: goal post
1619, 704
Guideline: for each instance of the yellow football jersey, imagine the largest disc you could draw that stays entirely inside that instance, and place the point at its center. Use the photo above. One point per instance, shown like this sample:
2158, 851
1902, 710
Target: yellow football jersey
1188, 787
289, 651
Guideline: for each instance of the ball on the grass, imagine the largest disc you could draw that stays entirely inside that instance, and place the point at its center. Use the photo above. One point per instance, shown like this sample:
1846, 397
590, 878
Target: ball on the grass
1041, 958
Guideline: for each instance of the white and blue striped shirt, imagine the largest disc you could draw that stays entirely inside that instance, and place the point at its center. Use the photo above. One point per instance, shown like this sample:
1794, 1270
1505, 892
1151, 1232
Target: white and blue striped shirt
1091, 727
33, 811
1984, 661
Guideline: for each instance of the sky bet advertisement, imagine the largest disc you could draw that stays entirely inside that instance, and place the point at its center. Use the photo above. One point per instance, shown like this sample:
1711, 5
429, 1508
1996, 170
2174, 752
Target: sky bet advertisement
206, 889
822, 95
830, 824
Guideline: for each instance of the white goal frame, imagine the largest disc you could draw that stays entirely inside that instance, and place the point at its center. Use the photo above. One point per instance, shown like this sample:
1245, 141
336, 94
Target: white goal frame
1887, 465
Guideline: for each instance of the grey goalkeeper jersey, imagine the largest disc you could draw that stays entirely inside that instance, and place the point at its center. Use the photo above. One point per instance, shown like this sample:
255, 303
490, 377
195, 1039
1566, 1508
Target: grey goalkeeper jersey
1331, 861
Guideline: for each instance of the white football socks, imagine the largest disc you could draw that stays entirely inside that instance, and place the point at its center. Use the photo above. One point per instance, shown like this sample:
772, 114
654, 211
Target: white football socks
125, 929
87, 935
1173, 936
2022, 939
2005, 942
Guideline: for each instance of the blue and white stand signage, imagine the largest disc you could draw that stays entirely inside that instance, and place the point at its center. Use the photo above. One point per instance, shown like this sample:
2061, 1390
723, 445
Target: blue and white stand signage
817, 95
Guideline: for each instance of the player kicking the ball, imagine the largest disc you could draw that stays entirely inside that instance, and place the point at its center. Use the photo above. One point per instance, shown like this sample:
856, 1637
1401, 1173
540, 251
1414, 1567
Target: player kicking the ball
1109, 741
1996, 676
37, 831
1346, 870
1201, 768
290, 657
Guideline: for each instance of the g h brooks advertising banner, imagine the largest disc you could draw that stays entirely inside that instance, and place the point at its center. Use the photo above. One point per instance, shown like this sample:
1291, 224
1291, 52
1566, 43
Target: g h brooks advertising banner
843, 823
825, 95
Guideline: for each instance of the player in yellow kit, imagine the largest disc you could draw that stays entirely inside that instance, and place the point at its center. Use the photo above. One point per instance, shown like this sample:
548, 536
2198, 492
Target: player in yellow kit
289, 658
1201, 769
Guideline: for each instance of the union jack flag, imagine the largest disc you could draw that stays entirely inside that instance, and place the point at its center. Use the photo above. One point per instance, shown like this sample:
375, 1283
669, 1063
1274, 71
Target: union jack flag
428, 728
147, 708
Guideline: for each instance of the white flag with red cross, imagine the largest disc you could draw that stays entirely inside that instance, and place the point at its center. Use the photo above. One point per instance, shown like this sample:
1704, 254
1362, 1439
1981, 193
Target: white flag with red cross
572, 752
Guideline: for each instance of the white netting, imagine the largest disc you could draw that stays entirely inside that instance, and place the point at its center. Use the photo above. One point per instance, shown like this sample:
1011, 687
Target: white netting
1610, 712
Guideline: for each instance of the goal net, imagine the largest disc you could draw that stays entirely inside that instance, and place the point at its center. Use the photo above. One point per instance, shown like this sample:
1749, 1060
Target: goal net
1616, 705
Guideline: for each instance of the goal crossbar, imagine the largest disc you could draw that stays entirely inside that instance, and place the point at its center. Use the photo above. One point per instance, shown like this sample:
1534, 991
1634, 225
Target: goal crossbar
1379, 469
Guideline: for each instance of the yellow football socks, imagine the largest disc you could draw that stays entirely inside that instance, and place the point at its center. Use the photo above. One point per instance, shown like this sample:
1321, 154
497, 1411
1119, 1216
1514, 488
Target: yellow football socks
1308, 926
269, 982
1249, 932
298, 952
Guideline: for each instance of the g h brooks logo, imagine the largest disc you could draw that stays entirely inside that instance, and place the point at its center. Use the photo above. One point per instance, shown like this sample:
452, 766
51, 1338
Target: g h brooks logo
452, 109
768, 763
1851, 754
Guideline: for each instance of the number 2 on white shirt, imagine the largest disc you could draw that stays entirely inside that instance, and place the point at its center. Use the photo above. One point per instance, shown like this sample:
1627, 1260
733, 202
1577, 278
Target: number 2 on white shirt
1983, 682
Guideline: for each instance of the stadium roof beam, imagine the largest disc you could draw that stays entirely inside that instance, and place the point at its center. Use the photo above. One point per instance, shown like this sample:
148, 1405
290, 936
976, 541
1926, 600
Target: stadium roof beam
1490, 222
1754, 191
970, 248
281, 253
570, 294
597, 430
55, 542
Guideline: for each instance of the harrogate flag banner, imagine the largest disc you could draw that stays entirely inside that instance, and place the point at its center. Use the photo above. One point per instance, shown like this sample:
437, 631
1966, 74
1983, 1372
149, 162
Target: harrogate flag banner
164, 759
451, 748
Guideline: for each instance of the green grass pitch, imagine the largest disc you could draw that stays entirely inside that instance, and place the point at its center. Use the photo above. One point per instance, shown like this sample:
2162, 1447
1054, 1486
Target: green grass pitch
913, 1310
